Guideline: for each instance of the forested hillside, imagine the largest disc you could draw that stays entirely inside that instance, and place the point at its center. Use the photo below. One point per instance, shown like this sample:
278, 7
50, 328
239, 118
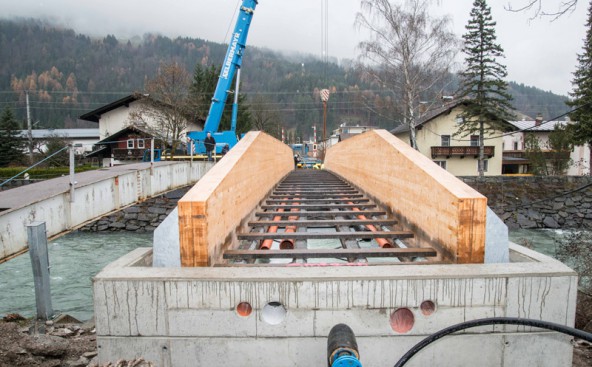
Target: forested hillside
68, 74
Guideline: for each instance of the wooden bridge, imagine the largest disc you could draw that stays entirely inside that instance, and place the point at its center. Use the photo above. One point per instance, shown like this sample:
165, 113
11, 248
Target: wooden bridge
253, 206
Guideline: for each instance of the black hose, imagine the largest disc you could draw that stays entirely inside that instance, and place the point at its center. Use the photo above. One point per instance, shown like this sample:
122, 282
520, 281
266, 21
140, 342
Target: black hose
493, 321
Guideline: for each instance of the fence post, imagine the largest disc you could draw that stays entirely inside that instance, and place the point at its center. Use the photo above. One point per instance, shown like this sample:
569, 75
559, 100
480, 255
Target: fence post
37, 238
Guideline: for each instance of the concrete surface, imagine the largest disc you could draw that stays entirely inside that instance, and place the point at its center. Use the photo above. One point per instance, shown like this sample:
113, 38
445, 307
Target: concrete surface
187, 316
165, 244
496, 239
96, 193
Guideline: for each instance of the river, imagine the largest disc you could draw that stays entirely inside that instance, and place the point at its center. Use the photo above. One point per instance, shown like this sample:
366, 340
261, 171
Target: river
74, 259
77, 257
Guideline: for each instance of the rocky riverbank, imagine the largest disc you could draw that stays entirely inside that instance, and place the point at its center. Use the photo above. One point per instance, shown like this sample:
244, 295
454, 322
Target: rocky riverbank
142, 217
521, 202
538, 202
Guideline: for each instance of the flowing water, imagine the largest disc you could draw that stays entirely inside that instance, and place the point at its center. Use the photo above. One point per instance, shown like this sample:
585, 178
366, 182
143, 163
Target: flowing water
77, 257
74, 259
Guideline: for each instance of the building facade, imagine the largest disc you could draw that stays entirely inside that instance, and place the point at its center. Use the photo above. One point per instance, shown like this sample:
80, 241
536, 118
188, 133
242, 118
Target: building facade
515, 154
436, 139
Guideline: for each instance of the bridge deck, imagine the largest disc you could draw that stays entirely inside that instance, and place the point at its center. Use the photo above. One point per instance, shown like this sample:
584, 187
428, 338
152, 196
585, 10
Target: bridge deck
315, 214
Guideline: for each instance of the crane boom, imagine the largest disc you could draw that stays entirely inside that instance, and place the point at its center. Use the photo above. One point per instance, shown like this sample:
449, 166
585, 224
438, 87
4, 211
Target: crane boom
232, 62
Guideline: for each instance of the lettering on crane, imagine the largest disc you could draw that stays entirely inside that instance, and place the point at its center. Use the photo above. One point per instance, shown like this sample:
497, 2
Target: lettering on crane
230, 56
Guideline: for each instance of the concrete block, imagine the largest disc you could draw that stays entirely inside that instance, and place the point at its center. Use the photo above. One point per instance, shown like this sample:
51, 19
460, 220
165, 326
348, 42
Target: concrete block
497, 243
166, 242
211, 323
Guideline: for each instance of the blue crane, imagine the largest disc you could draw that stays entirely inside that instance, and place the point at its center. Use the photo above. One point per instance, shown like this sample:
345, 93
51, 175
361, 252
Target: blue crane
230, 68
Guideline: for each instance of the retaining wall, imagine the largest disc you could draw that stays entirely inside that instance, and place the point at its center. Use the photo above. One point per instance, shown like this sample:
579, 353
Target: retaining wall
92, 200
142, 217
538, 202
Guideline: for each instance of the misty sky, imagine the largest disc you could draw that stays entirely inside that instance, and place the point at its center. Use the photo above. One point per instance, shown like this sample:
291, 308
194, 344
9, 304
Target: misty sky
538, 52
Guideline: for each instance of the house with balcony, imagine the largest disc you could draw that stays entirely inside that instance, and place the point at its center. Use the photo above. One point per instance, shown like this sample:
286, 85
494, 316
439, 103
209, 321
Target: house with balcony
515, 159
435, 135
123, 138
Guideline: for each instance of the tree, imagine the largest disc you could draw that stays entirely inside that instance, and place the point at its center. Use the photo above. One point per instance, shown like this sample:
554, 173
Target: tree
553, 157
165, 111
534, 154
581, 96
11, 143
483, 80
410, 52
201, 92
536, 7
560, 147
53, 144
264, 117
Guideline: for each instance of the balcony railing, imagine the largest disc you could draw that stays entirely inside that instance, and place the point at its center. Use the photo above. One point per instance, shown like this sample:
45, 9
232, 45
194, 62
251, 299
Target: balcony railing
462, 152
123, 153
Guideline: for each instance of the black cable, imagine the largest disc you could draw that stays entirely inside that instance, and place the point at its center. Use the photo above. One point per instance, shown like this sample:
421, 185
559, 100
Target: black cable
493, 321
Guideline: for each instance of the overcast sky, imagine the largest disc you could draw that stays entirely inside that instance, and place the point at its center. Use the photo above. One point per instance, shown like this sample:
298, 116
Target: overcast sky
538, 52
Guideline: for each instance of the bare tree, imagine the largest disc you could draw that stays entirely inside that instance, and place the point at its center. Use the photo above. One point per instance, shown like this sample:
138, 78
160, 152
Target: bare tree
535, 7
164, 112
263, 117
409, 52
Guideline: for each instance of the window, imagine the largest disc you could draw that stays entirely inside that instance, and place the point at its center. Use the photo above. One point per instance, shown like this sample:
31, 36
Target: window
485, 165
441, 164
459, 121
141, 143
130, 144
474, 140
515, 145
445, 140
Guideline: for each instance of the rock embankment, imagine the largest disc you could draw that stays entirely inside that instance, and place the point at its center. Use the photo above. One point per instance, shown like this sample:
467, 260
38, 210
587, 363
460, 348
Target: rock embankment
538, 202
142, 217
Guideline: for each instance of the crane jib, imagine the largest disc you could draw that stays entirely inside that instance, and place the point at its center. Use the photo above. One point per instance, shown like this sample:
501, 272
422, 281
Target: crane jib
231, 63
230, 55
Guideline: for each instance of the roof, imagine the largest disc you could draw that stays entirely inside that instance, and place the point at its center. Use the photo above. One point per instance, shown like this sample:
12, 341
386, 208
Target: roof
122, 132
63, 133
446, 108
530, 125
95, 115
430, 115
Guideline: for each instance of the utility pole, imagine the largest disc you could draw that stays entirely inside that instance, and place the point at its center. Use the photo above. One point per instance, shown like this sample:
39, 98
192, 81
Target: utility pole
29, 127
325, 99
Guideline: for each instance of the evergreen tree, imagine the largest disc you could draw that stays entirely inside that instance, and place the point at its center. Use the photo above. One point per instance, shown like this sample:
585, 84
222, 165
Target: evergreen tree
483, 79
201, 92
11, 144
581, 97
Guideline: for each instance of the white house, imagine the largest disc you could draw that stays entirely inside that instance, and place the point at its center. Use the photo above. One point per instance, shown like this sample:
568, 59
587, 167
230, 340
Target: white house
82, 139
117, 115
515, 161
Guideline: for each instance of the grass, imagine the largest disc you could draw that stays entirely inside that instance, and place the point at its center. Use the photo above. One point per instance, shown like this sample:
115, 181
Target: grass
41, 173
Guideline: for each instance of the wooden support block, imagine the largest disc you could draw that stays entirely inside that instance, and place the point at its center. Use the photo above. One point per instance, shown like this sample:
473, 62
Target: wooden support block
213, 209
440, 209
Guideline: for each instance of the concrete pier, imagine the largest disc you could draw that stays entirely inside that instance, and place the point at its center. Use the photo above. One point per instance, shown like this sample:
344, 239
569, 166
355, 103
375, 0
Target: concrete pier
189, 316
